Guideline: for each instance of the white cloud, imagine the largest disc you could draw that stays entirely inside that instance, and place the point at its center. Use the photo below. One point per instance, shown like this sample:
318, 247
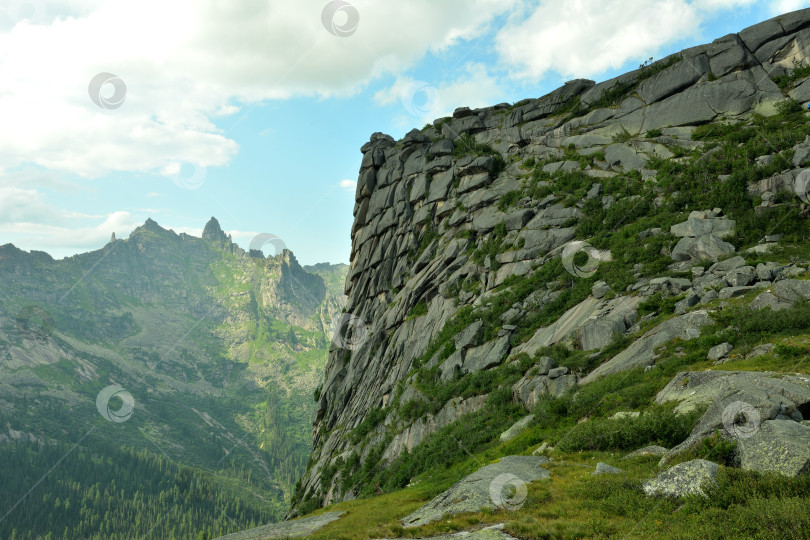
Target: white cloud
186, 62
780, 7
348, 185
585, 38
423, 102
60, 241
588, 37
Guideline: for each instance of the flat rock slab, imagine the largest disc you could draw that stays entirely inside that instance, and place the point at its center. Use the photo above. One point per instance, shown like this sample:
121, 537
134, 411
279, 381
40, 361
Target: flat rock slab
738, 401
501, 484
683, 479
780, 446
653, 450
517, 428
493, 532
642, 351
297, 528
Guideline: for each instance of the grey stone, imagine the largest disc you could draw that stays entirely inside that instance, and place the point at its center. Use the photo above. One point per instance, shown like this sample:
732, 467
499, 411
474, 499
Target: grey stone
469, 337
729, 54
642, 351
439, 186
653, 450
801, 152
516, 428
782, 294
740, 277
674, 79
688, 478
757, 35
452, 366
474, 181
604, 468
625, 415
704, 247
486, 356
545, 364
442, 147
625, 157
721, 228
477, 490
419, 188
758, 396
719, 351
297, 528
779, 446
600, 289
727, 265
760, 350
557, 372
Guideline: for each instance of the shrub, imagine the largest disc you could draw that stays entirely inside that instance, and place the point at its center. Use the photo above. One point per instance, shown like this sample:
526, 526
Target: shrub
660, 425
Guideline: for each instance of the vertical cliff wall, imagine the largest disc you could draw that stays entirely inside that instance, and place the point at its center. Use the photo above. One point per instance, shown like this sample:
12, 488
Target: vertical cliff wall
466, 235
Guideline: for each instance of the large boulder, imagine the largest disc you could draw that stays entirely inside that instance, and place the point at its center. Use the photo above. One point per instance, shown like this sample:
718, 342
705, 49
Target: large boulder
528, 389
642, 351
516, 428
593, 323
486, 356
698, 226
689, 478
783, 294
708, 246
738, 401
297, 528
780, 446
488, 487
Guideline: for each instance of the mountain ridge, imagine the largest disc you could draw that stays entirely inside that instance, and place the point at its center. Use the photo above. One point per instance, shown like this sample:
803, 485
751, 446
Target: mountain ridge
219, 348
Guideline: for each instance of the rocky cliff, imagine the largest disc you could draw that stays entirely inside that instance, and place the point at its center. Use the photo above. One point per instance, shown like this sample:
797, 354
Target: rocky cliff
485, 240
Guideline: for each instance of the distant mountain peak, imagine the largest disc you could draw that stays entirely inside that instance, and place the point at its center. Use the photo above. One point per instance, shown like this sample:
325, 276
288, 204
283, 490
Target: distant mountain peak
214, 232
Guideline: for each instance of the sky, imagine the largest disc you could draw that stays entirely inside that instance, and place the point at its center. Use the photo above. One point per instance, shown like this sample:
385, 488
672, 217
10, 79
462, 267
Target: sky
254, 111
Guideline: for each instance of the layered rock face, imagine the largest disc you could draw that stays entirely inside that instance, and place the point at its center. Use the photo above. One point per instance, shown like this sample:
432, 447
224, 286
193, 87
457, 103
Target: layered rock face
449, 217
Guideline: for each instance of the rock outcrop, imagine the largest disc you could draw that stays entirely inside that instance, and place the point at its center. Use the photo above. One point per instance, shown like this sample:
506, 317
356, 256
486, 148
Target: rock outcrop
689, 478
455, 225
499, 485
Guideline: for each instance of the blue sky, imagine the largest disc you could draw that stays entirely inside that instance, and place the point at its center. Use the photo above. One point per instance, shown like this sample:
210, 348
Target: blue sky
255, 111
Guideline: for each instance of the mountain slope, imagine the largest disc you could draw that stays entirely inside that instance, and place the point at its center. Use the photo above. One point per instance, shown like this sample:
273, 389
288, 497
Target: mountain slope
220, 351
509, 259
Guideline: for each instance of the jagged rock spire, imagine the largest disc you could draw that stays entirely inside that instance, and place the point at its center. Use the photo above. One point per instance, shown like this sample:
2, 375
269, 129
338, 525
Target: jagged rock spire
214, 232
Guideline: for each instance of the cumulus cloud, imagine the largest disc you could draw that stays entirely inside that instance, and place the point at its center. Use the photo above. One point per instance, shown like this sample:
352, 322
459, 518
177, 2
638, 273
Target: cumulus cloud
61, 240
422, 102
187, 63
585, 38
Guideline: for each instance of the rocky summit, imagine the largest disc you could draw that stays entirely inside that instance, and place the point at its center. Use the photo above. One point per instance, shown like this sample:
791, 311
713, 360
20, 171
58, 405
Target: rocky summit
572, 257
